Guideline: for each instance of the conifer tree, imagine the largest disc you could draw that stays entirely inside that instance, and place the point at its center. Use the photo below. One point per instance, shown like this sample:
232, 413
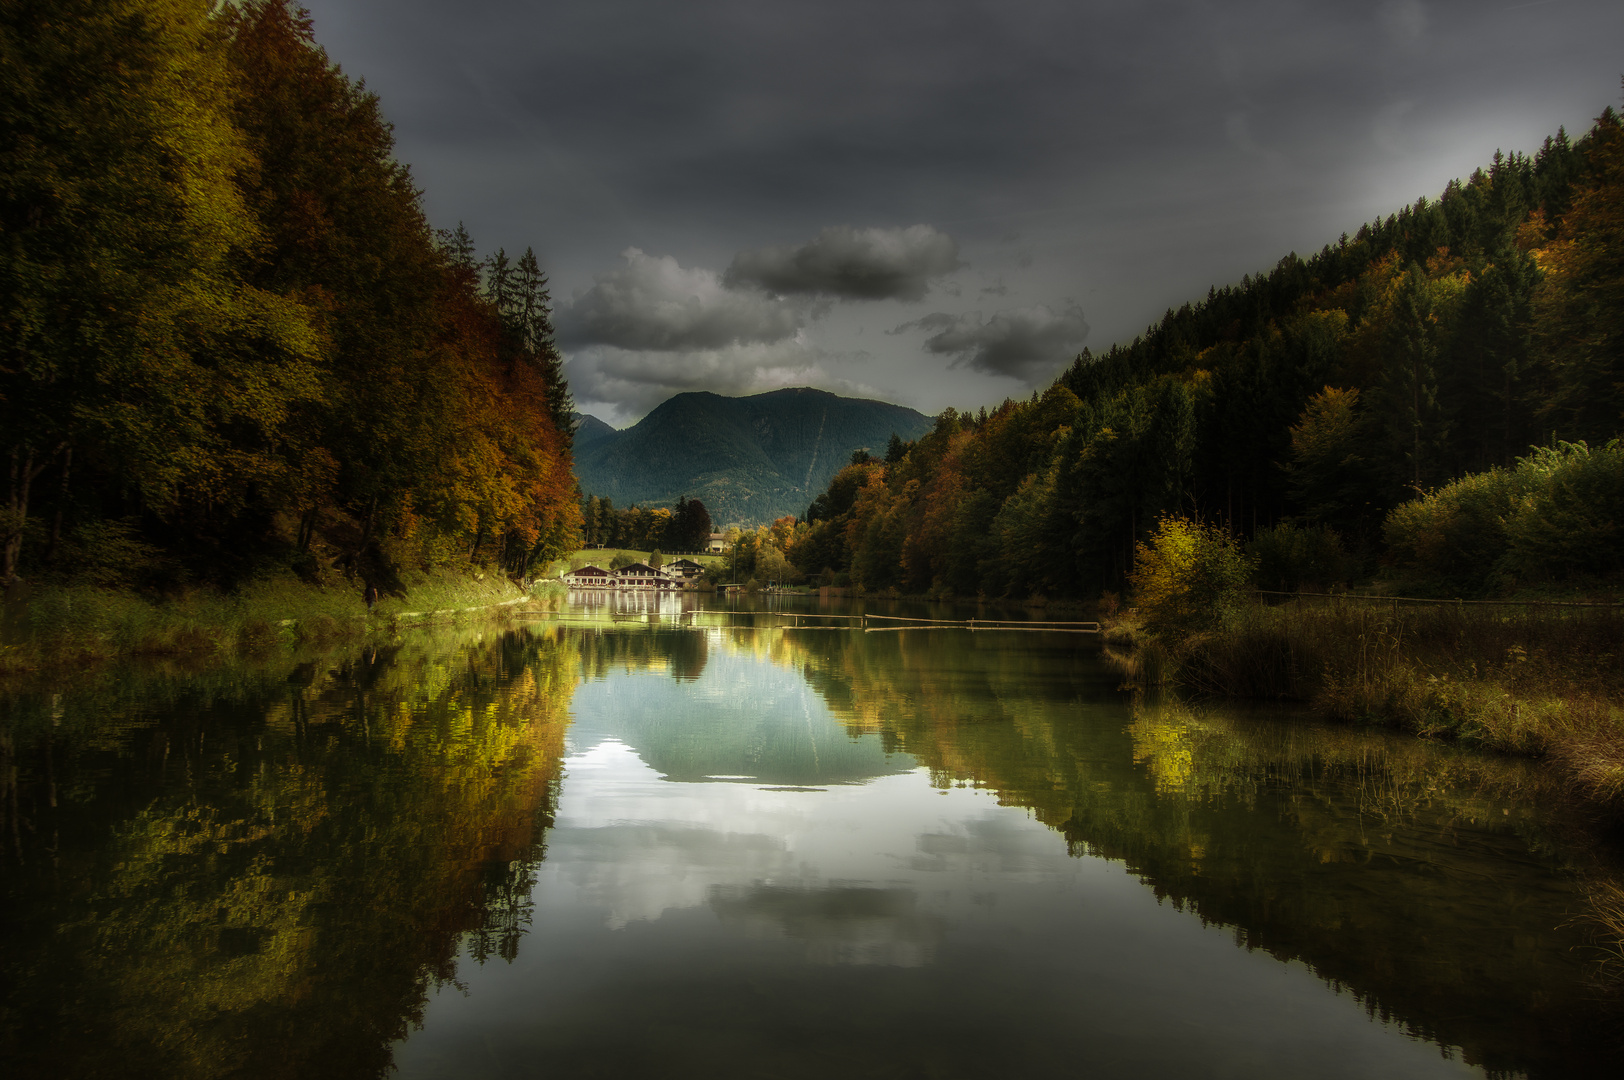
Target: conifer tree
1410, 381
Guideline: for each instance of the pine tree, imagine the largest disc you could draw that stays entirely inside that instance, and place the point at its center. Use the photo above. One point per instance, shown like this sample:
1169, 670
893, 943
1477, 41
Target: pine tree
532, 305
1410, 381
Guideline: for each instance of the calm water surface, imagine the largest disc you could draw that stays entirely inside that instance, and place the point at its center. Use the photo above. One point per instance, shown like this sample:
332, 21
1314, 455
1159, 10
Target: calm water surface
631, 842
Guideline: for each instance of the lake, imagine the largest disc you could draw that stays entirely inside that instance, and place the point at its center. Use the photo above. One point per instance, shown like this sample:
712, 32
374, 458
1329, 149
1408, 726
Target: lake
655, 836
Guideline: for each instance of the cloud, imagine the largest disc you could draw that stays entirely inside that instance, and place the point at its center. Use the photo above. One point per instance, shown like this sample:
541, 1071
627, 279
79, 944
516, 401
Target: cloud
1403, 21
851, 264
1024, 343
627, 383
654, 304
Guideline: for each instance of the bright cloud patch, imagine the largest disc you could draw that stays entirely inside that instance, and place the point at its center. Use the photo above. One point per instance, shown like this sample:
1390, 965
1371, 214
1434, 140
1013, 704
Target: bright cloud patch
851, 264
654, 304
1023, 343
629, 383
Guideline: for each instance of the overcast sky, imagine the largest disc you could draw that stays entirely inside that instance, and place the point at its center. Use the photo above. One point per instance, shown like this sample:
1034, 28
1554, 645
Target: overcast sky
935, 203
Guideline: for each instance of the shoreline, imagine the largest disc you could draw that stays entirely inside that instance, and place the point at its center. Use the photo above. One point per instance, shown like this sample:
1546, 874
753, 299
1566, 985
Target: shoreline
1543, 684
69, 626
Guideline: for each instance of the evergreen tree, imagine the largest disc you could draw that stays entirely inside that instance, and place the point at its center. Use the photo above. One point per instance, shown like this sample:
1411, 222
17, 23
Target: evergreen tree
1410, 382
533, 312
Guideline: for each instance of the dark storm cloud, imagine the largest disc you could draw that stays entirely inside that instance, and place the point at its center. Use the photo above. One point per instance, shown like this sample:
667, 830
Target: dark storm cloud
852, 264
1141, 151
1028, 344
652, 303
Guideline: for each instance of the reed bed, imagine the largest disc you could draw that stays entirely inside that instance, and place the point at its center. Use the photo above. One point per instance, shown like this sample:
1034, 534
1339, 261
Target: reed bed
1544, 680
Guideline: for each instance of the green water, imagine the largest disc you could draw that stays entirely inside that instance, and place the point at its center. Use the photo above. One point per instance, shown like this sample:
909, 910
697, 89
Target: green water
608, 845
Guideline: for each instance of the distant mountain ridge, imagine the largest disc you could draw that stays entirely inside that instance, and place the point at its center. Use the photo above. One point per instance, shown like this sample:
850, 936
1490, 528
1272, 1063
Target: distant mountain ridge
589, 429
749, 459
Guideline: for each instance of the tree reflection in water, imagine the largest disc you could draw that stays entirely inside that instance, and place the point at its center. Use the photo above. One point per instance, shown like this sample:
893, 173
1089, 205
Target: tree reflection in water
262, 869
259, 871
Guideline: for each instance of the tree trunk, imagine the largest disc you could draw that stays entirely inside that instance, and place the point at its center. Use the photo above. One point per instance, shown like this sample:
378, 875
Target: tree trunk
23, 472
22, 461
61, 503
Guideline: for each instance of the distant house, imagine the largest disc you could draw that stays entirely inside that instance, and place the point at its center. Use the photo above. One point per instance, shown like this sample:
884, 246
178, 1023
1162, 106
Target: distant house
718, 541
641, 576
684, 569
589, 577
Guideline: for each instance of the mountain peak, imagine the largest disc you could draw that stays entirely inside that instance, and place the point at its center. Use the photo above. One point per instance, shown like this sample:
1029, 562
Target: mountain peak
748, 459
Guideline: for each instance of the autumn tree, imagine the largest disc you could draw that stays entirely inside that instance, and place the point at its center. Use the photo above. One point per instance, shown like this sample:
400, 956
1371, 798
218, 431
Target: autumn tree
1581, 305
131, 339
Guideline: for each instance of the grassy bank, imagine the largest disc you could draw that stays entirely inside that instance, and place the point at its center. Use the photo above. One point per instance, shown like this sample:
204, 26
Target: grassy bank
60, 624
1542, 680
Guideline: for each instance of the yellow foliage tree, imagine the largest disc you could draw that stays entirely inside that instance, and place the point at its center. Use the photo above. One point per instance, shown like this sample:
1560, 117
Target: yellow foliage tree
1187, 576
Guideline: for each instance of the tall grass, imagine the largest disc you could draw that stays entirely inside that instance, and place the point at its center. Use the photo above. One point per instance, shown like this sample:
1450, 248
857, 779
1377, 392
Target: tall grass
65, 623
1542, 680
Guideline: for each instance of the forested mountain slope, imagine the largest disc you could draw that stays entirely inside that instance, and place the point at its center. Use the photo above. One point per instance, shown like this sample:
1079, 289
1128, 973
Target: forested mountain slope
589, 429
749, 460
1445, 340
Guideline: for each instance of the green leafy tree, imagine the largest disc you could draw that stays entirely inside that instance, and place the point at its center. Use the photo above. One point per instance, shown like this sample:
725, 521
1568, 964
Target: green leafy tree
1330, 475
129, 333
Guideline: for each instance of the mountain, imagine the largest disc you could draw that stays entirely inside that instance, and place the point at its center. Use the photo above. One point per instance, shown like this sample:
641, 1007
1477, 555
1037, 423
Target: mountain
749, 460
589, 429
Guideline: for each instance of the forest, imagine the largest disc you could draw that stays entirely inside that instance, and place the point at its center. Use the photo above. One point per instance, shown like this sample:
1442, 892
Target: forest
684, 527
1439, 397
230, 341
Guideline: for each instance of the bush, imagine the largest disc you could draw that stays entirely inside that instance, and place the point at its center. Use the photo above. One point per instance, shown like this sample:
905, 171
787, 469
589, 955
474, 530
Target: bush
1188, 577
1556, 515
1570, 524
1290, 557
1452, 538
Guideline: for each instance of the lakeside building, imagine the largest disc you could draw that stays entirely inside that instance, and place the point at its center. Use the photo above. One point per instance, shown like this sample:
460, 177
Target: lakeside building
684, 570
588, 577
681, 574
642, 576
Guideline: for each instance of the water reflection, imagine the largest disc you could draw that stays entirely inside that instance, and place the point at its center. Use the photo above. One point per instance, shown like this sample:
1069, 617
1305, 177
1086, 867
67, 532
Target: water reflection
1414, 875
259, 870
930, 830
723, 849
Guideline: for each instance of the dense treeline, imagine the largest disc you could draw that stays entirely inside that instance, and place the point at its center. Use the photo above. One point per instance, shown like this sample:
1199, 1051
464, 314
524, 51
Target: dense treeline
684, 527
1445, 340
231, 340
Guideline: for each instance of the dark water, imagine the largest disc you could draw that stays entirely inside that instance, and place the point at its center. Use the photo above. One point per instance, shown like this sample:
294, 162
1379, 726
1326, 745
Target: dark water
611, 846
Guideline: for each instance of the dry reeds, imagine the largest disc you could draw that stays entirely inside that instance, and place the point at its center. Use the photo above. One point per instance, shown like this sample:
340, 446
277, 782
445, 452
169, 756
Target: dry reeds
1540, 679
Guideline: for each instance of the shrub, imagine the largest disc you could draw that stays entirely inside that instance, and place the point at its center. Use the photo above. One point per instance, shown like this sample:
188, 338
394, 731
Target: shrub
1571, 522
1188, 576
1556, 515
1290, 557
1454, 537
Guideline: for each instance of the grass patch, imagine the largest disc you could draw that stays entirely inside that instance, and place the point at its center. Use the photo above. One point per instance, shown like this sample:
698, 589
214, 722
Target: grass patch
58, 624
